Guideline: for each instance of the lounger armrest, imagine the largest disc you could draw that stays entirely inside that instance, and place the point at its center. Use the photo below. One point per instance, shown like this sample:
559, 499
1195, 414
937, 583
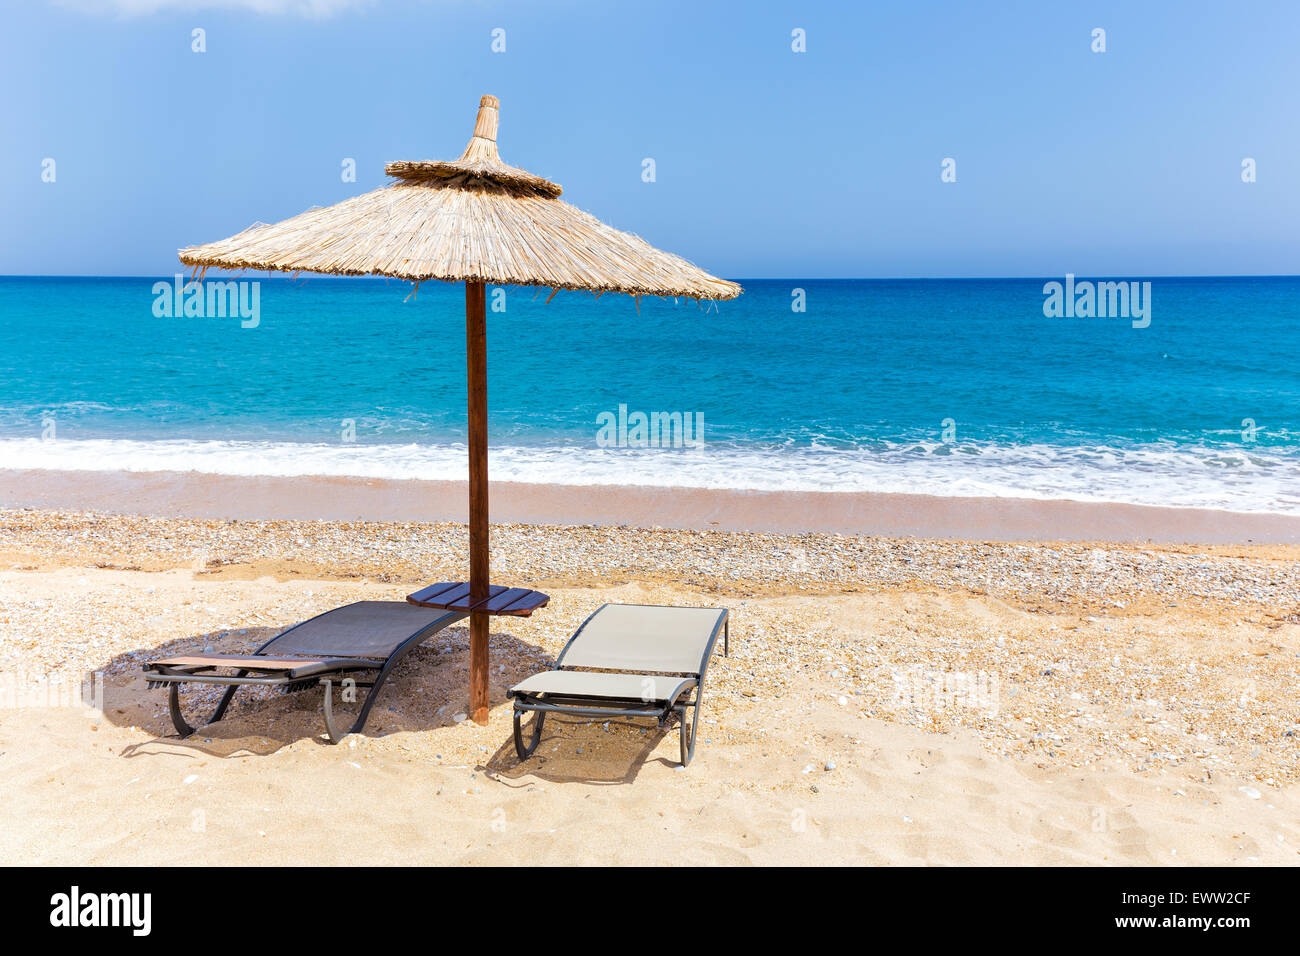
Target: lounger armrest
586, 685
339, 666
287, 667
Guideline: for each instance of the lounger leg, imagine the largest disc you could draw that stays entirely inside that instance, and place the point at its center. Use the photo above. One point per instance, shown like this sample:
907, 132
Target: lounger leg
225, 700
178, 719
372, 697
689, 731
539, 718
328, 707
360, 723
174, 708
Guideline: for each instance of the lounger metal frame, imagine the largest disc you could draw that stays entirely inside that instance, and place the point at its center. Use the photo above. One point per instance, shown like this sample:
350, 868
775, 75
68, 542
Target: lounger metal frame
340, 667
542, 704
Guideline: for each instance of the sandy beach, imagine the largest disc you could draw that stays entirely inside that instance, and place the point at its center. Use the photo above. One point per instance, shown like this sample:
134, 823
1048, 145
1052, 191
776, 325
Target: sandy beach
888, 700
341, 498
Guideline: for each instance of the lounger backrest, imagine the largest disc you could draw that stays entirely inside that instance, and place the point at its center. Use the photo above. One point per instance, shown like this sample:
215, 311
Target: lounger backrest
633, 637
368, 629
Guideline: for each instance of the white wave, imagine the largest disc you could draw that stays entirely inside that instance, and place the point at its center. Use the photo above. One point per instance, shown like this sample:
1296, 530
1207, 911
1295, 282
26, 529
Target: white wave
1240, 478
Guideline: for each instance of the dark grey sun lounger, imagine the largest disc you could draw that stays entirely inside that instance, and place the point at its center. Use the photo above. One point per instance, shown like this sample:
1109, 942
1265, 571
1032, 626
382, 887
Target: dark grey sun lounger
361, 642
637, 660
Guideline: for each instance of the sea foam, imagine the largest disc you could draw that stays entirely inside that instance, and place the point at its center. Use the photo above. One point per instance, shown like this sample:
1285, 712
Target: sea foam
1233, 479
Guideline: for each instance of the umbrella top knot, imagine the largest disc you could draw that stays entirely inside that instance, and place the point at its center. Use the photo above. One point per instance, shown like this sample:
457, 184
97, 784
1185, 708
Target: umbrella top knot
485, 125
480, 166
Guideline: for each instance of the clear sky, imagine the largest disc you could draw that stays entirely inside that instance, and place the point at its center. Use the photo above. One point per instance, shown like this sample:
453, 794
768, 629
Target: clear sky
769, 163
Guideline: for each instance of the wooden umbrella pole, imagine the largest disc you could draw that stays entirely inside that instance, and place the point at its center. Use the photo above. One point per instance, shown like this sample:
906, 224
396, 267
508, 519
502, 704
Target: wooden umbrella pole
476, 368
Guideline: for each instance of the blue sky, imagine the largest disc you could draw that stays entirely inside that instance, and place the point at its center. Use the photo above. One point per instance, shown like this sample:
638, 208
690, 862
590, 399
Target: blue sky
769, 163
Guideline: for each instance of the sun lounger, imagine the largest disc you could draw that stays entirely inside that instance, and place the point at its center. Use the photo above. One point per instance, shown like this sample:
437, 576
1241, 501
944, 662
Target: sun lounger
637, 661
349, 643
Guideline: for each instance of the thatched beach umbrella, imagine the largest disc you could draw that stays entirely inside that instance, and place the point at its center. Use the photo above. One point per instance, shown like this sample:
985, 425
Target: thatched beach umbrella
475, 220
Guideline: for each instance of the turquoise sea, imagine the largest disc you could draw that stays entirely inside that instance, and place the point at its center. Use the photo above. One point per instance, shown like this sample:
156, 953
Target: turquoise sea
948, 387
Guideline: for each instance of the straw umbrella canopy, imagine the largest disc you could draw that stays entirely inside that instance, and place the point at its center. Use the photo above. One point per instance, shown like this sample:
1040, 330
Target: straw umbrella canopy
479, 221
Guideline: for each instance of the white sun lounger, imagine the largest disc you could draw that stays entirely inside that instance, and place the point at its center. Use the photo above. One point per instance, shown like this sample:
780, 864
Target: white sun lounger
637, 661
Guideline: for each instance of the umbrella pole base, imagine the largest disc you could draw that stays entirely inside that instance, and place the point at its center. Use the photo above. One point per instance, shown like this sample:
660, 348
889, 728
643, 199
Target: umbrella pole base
478, 668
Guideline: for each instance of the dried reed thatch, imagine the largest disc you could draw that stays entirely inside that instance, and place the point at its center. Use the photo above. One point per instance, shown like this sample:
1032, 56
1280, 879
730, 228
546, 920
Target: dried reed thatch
474, 219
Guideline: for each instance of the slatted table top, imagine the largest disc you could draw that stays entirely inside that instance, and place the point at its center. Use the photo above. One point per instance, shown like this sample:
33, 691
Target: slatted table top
501, 600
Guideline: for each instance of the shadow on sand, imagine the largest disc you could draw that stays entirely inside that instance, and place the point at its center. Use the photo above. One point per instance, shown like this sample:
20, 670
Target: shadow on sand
424, 694
574, 750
